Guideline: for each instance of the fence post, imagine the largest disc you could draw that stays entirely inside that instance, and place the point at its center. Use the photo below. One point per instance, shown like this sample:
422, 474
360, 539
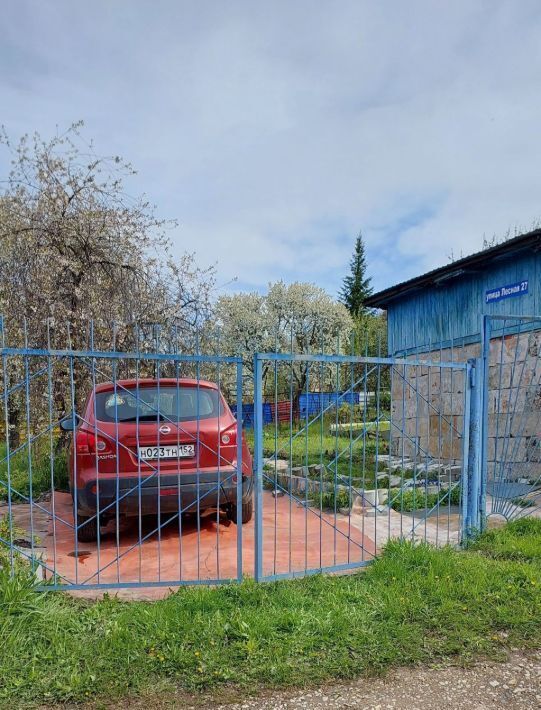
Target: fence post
240, 471
483, 379
464, 480
258, 472
472, 473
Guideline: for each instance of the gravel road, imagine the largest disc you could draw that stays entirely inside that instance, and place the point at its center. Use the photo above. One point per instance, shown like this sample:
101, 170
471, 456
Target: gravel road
510, 685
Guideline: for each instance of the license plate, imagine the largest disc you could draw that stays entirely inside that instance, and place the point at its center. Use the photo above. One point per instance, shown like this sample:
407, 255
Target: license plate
184, 451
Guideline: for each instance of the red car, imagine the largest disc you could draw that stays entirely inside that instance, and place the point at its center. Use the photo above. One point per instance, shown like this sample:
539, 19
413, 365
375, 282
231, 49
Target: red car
159, 446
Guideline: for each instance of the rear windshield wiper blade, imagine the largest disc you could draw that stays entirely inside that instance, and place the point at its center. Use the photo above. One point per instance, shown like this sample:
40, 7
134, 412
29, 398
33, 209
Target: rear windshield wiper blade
145, 418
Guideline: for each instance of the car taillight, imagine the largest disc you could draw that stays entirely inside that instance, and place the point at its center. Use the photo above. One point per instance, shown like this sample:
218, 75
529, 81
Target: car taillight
82, 443
229, 436
88, 443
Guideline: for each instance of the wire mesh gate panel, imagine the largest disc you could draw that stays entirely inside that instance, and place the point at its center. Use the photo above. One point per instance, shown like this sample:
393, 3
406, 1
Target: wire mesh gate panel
128, 468
122, 469
384, 455
512, 416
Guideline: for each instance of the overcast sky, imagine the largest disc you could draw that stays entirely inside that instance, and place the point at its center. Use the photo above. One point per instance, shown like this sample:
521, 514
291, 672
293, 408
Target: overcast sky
274, 131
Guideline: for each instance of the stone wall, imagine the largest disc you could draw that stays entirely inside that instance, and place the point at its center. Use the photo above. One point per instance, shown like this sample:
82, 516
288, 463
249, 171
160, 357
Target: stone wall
514, 405
428, 403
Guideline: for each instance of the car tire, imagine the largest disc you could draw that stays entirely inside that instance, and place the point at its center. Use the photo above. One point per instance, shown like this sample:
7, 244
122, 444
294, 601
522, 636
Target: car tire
89, 531
246, 514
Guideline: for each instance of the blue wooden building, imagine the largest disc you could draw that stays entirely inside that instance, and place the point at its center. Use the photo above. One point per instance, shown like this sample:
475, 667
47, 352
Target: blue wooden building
444, 307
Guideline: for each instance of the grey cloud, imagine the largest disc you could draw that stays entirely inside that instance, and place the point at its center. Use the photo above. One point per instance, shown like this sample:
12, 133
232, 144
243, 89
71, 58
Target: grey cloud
274, 131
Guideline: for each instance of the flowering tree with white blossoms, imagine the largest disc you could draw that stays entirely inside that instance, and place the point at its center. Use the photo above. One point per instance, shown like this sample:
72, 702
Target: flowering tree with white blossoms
299, 317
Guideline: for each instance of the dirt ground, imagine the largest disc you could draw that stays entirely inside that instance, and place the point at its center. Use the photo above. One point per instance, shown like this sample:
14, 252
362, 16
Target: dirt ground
514, 685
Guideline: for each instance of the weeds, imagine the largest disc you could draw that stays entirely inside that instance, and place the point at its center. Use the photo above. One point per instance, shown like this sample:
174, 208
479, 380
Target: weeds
40, 463
249, 636
335, 499
417, 499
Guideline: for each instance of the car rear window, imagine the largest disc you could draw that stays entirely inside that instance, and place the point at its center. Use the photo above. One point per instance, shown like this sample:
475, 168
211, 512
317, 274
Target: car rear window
149, 404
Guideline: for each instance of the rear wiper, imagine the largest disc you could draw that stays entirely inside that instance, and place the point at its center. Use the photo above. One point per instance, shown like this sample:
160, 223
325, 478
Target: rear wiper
145, 418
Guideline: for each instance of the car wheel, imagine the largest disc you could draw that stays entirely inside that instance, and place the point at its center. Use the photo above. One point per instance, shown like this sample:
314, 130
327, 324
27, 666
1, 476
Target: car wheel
246, 514
89, 531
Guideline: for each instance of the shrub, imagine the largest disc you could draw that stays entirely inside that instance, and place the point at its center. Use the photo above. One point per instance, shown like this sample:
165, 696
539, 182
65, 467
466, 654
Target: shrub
338, 498
385, 401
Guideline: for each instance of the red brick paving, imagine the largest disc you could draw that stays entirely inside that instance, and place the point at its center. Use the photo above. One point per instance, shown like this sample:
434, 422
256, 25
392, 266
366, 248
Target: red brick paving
294, 539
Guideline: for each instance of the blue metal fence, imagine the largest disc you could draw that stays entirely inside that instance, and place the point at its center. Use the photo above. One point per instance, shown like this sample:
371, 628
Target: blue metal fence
120, 469
312, 402
511, 416
308, 404
335, 487
248, 414
349, 451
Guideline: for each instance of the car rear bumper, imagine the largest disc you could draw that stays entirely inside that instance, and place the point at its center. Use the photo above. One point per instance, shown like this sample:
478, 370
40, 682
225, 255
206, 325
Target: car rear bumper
169, 493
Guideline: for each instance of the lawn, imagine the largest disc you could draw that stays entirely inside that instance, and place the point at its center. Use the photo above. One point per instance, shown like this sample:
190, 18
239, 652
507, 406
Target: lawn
413, 605
40, 461
352, 454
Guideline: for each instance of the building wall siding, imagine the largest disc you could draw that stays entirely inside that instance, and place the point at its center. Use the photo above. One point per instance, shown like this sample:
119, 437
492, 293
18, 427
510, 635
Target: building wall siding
451, 313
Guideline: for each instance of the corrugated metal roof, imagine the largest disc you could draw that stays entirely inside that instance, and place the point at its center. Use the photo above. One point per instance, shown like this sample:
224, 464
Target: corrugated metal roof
456, 269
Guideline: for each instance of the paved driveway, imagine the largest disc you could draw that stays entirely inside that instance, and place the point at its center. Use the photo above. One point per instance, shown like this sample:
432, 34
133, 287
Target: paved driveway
295, 538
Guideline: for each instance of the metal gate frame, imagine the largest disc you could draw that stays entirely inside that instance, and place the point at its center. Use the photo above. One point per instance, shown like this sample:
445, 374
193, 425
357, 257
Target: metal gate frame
520, 324
470, 480
90, 358
474, 433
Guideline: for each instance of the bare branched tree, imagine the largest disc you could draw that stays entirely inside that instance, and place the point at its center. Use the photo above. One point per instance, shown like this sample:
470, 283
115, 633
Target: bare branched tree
75, 247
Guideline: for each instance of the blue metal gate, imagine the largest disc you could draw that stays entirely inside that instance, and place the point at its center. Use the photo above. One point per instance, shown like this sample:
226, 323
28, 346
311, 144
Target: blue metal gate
122, 469
395, 456
349, 452
511, 455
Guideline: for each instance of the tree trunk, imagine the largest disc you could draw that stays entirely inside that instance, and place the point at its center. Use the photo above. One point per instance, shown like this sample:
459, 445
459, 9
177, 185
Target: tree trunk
14, 423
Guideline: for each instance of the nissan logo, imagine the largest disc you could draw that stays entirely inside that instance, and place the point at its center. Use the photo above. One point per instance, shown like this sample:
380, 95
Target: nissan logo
164, 429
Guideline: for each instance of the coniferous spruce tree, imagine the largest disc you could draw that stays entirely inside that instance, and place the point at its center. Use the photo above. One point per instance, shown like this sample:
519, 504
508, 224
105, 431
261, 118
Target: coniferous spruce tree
356, 286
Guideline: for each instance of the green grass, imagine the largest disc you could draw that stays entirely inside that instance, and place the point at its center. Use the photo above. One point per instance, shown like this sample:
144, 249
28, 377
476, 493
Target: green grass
413, 605
317, 445
40, 461
519, 540
417, 499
